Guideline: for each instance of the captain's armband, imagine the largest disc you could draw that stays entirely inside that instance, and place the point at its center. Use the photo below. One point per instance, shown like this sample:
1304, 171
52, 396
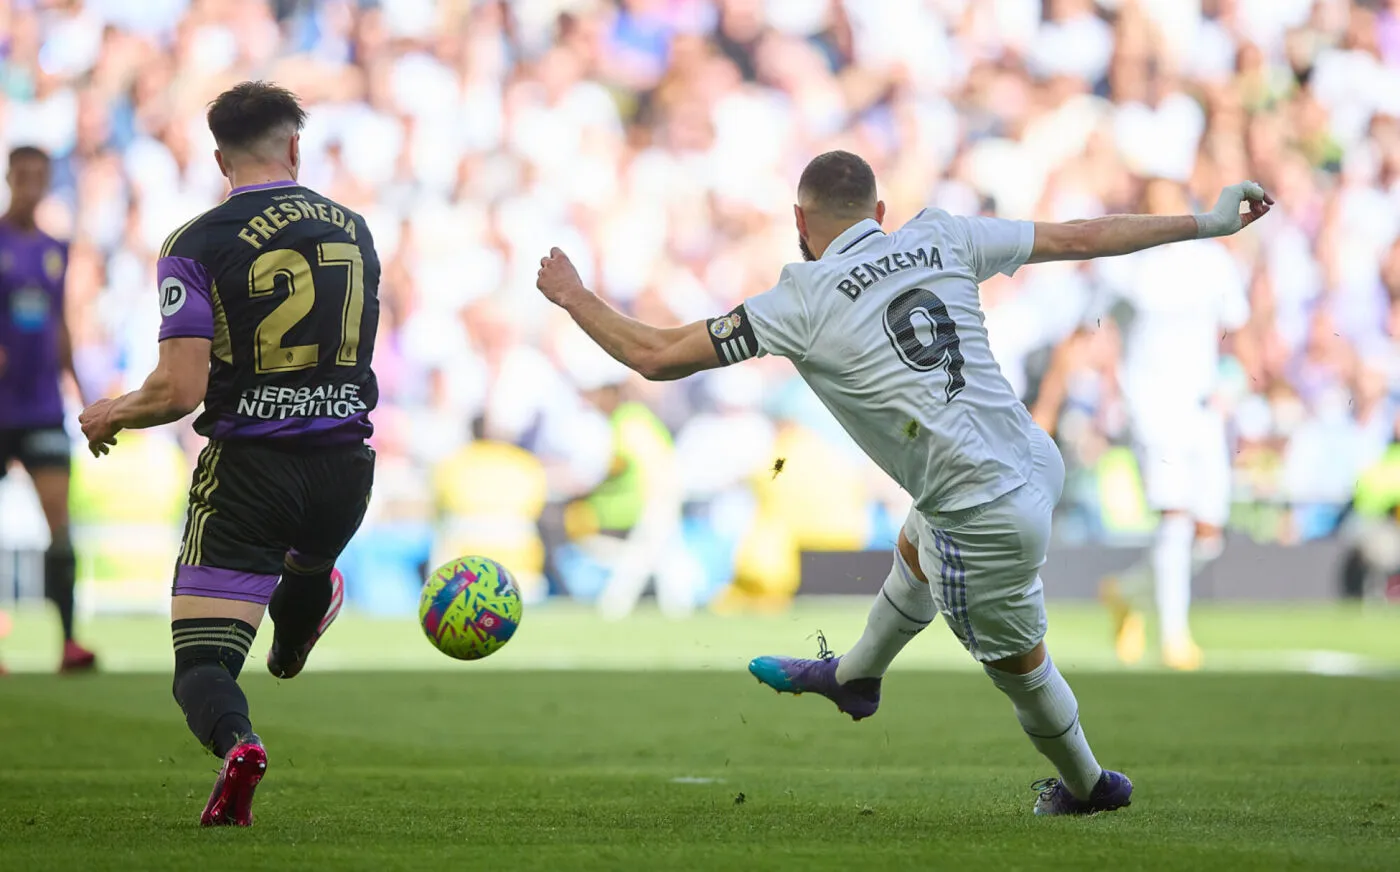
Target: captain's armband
733, 337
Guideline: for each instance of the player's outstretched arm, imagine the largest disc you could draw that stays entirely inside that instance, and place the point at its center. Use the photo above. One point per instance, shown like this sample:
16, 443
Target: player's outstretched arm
655, 353
174, 389
1124, 234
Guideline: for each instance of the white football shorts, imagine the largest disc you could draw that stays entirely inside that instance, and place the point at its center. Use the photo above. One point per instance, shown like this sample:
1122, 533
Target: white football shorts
1184, 460
983, 563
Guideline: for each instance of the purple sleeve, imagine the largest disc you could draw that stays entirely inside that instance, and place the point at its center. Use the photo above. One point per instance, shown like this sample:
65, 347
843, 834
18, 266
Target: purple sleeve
186, 308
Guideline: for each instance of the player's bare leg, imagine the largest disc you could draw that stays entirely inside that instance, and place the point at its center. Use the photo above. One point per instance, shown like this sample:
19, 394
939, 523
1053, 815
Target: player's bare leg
307, 600
900, 612
211, 638
1049, 713
60, 565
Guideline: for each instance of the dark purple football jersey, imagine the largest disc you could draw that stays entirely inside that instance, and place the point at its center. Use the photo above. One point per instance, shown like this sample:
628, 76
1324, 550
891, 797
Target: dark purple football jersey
285, 283
32, 265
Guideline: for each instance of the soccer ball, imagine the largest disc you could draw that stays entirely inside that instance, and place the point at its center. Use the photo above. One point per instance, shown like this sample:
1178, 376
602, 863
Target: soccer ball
470, 608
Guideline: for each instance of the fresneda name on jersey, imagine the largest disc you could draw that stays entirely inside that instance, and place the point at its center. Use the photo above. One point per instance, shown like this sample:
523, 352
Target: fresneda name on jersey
284, 283
260, 229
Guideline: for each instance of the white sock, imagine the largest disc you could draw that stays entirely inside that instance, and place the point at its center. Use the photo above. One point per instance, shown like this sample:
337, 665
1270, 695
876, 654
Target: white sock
902, 608
1171, 564
1049, 714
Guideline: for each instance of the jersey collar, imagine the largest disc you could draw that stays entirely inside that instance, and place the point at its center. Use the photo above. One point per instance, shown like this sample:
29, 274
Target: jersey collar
285, 183
851, 237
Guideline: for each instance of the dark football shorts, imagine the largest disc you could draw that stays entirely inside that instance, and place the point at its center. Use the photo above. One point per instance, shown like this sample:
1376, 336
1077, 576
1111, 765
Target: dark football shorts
252, 507
36, 448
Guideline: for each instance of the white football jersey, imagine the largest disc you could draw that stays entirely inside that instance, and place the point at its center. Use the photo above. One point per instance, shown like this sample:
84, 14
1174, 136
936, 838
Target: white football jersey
887, 329
1176, 302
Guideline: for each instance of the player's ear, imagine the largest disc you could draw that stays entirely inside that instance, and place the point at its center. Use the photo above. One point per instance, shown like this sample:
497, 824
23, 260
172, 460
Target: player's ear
294, 153
879, 211
219, 159
801, 221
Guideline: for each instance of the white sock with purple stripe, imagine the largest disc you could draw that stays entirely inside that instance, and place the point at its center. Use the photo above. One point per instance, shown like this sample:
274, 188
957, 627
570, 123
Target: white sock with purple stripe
1049, 714
901, 610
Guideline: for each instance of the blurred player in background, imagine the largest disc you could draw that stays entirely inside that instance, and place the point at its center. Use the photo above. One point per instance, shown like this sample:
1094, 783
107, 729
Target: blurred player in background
35, 353
617, 537
887, 330
1174, 304
269, 305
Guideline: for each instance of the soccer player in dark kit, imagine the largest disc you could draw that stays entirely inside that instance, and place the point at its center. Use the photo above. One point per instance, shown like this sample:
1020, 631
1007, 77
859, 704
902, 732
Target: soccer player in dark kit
35, 352
269, 307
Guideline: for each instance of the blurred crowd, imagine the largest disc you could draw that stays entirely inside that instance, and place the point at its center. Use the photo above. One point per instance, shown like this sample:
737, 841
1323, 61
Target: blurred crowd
658, 142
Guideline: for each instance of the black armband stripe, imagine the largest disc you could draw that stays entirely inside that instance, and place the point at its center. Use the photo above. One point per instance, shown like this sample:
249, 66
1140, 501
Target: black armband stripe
733, 337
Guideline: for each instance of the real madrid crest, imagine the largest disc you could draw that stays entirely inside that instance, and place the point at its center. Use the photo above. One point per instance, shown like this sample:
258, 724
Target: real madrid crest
53, 264
723, 327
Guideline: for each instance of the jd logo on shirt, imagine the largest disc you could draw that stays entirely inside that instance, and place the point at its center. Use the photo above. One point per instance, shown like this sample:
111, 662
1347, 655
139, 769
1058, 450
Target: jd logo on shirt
172, 296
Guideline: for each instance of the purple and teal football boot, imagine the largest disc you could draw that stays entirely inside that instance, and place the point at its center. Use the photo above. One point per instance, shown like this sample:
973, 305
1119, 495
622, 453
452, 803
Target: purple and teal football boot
1113, 791
858, 698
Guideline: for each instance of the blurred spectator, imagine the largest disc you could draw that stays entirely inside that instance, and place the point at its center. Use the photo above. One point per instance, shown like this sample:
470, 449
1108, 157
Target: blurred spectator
658, 141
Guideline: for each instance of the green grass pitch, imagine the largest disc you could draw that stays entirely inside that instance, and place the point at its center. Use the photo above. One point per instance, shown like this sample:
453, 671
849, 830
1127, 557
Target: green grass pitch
617, 765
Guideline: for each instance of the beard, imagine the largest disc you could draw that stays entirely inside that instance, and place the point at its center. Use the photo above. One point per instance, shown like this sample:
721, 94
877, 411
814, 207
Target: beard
806, 252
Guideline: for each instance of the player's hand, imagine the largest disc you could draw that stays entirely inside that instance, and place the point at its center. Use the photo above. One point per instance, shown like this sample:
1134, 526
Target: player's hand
98, 427
558, 279
1226, 218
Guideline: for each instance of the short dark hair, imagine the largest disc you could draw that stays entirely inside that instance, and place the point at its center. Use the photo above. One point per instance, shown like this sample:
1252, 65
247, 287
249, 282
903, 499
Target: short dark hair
247, 113
838, 182
28, 151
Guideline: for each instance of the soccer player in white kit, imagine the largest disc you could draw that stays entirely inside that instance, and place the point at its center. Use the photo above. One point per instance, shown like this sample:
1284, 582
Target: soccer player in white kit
1177, 302
886, 328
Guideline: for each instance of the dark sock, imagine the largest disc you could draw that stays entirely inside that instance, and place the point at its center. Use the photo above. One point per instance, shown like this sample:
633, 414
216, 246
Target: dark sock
297, 606
231, 730
209, 655
60, 572
215, 707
